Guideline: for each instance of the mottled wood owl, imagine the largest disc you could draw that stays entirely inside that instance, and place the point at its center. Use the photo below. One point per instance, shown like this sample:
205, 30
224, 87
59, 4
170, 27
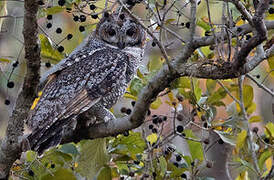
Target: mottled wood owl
94, 76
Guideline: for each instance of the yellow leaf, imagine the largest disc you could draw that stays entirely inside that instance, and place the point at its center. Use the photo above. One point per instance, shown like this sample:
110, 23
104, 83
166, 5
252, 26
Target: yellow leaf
254, 119
156, 104
243, 176
241, 137
171, 96
130, 96
240, 22
36, 100
152, 138
268, 163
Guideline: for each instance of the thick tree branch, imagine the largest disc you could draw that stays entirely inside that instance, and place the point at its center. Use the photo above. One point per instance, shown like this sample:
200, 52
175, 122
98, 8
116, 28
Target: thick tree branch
258, 38
164, 77
10, 147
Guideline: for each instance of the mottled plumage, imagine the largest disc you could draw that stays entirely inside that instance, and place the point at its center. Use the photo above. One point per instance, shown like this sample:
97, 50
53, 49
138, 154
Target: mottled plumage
95, 75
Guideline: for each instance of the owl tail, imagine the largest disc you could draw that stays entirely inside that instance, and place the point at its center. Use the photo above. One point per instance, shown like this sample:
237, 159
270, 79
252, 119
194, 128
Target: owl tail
42, 139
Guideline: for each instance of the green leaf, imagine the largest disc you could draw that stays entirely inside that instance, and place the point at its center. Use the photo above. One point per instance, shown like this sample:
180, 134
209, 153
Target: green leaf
55, 10
263, 157
155, 63
93, 156
47, 51
163, 165
269, 129
254, 119
69, 149
241, 137
60, 174
204, 25
217, 96
210, 85
270, 61
197, 93
123, 167
247, 95
195, 148
104, 173
182, 82
156, 104
131, 145
31, 156
136, 86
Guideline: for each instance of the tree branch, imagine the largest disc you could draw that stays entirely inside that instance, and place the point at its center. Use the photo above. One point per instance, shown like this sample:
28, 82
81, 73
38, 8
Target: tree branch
10, 148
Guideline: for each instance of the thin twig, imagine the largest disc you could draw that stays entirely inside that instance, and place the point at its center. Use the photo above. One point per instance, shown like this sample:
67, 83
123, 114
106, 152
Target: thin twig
245, 119
260, 85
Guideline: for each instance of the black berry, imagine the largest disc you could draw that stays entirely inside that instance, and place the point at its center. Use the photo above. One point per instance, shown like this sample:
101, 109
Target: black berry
247, 37
266, 140
49, 17
60, 49
128, 112
155, 120
183, 176
92, 7
58, 30
178, 158
7, 102
61, 2
83, 18
258, 76
182, 24
154, 130
41, 3
133, 103
49, 25
148, 112
180, 128
94, 16
126, 133
10, 84
31, 173
153, 44
203, 118
136, 162
255, 130
205, 125
150, 126
271, 10
81, 28
176, 164
47, 64
75, 18
15, 64
69, 36
122, 16
52, 166
188, 25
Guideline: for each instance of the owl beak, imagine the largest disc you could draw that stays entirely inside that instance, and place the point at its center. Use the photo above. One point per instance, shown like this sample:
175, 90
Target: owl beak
121, 45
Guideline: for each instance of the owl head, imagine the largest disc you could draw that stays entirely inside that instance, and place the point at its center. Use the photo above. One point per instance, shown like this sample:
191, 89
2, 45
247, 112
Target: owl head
120, 30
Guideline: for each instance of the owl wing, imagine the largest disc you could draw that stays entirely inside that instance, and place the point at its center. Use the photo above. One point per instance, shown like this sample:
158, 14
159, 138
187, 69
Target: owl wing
77, 53
97, 73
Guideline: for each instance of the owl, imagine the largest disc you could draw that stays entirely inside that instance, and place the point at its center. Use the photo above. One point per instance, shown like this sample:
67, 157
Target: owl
93, 77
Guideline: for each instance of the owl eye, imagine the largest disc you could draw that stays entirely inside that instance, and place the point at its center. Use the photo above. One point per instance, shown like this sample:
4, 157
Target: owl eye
111, 32
130, 32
